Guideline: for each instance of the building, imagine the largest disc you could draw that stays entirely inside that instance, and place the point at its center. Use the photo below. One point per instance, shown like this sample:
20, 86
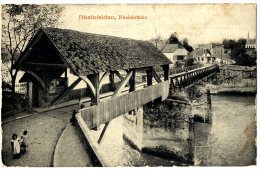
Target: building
250, 43
221, 56
202, 55
174, 52
206, 54
55, 61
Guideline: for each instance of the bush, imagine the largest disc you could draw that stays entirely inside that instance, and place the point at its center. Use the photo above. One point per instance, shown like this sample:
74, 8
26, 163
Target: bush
189, 62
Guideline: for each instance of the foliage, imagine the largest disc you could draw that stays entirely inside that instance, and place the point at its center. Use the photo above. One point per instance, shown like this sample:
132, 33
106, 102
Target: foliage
189, 62
239, 53
186, 45
19, 25
173, 39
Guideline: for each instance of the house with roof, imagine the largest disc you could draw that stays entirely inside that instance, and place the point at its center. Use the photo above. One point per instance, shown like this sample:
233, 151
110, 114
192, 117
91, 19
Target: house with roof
202, 55
221, 56
56, 61
174, 53
207, 54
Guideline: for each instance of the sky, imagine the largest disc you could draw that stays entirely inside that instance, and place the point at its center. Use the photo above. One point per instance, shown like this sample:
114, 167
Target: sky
199, 23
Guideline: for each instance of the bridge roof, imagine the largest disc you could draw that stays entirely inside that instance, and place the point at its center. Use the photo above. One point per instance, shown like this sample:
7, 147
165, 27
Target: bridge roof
88, 53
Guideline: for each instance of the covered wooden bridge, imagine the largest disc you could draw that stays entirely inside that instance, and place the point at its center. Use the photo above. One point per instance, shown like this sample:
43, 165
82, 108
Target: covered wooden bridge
54, 56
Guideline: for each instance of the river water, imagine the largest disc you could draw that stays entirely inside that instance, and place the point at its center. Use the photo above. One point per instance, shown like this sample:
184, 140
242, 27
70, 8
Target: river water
228, 141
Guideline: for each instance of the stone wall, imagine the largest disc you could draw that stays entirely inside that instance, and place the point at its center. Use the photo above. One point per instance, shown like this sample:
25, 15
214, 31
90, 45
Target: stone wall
164, 130
231, 76
233, 72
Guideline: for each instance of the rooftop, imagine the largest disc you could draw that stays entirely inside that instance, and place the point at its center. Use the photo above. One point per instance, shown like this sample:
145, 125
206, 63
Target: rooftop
170, 48
88, 53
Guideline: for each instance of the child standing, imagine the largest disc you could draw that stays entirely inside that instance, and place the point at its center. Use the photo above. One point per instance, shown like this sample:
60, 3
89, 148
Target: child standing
15, 146
24, 143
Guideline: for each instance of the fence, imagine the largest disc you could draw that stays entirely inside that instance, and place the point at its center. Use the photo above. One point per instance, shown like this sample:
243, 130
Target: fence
20, 88
180, 70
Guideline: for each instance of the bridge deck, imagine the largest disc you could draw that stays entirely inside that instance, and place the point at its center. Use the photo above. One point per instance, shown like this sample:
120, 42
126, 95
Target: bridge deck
192, 71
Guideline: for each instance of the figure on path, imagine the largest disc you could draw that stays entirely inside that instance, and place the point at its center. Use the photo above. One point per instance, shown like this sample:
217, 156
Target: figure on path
24, 142
15, 143
73, 118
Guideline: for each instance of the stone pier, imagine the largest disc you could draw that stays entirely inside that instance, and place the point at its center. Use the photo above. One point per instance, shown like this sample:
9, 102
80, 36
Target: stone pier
165, 130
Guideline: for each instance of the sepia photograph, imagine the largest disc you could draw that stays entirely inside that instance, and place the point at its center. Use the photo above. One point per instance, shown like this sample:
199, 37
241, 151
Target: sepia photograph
129, 85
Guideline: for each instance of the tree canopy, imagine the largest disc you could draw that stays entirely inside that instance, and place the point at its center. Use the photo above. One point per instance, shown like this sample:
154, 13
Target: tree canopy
173, 39
19, 25
239, 53
186, 45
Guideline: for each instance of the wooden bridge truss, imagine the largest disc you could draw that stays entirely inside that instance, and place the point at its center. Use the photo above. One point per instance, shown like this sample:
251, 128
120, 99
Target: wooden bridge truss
184, 79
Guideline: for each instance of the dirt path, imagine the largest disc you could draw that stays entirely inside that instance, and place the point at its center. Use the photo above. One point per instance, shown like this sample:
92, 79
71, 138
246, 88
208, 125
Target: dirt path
43, 132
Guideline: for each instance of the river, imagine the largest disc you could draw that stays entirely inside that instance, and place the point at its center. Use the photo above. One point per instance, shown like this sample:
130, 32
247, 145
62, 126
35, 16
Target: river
228, 141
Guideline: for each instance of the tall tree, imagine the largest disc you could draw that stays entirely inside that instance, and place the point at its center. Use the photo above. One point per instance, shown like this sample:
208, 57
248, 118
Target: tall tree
186, 45
173, 39
19, 25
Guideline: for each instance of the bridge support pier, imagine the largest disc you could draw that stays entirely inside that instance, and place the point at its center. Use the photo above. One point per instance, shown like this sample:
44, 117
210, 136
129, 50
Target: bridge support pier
156, 131
209, 116
133, 128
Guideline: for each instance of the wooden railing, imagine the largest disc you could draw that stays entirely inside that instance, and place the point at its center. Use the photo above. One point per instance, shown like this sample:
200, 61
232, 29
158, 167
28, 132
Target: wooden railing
184, 79
107, 110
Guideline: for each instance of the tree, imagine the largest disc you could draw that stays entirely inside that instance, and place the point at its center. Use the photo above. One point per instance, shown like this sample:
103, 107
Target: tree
238, 52
189, 62
186, 45
241, 42
229, 44
19, 25
156, 40
173, 39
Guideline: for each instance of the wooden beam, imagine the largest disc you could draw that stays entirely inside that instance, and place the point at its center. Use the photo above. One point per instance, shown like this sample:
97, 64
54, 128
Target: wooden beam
123, 84
156, 76
112, 81
43, 65
29, 48
119, 75
149, 77
89, 83
132, 82
40, 81
102, 133
102, 79
30, 95
96, 84
66, 91
166, 72
179, 101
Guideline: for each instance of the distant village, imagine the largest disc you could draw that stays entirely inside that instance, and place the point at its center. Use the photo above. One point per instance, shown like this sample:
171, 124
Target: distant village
201, 53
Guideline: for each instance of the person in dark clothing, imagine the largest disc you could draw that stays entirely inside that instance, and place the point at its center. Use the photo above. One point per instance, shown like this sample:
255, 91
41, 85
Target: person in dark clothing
73, 118
24, 142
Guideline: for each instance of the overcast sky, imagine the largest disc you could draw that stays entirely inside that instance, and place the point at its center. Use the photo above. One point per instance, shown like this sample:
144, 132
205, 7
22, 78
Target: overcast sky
200, 23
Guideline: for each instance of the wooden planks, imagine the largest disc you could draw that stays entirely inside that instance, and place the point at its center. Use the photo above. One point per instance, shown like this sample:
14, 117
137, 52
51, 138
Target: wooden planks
107, 110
